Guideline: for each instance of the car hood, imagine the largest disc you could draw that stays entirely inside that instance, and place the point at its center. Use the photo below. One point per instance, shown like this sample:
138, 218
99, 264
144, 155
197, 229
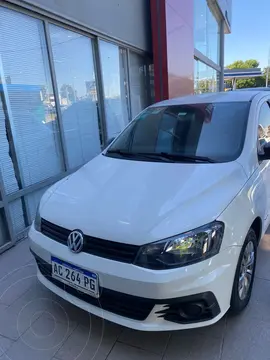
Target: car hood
139, 202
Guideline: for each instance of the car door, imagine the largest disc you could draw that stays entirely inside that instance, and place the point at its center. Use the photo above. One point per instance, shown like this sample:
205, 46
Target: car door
264, 138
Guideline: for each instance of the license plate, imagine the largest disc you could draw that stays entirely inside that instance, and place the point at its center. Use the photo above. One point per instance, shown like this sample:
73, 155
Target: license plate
83, 280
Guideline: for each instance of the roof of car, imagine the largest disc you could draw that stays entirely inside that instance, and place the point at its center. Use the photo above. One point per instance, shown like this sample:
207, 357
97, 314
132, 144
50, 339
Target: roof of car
230, 96
255, 89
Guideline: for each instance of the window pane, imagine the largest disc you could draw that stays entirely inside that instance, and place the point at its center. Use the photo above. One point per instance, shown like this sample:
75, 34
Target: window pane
4, 235
75, 74
29, 97
138, 83
206, 78
207, 31
114, 71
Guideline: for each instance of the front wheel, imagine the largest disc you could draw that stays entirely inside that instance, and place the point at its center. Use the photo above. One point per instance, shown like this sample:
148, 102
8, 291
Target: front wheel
244, 276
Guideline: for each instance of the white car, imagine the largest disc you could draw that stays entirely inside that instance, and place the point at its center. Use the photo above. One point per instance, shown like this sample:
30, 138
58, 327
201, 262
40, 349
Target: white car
160, 231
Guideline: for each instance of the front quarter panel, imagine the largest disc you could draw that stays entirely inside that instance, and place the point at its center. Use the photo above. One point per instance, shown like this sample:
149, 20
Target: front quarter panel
250, 203
47, 195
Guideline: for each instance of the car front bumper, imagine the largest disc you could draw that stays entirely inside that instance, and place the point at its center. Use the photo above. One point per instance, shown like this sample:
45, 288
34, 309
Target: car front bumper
140, 298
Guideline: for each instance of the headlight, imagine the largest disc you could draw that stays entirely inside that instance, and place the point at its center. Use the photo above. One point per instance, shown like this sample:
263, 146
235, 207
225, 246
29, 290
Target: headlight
37, 222
182, 250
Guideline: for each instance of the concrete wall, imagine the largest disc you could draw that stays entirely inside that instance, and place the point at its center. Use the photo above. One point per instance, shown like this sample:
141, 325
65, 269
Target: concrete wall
126, 20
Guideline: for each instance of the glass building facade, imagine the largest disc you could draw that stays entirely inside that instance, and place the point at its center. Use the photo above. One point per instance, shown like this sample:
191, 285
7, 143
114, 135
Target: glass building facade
205, 78
73, 75
207, 43
64, 93
206, 31
189, 50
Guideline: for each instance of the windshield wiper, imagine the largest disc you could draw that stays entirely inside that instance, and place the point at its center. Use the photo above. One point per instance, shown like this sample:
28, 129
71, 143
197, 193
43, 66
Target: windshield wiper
119, 152
140, 155
193, 158
162, 156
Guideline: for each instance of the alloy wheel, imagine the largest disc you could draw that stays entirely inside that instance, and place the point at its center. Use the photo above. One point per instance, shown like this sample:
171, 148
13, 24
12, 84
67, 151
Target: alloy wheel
246, 270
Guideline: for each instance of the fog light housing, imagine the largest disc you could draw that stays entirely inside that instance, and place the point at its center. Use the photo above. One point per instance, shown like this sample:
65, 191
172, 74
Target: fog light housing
191, 309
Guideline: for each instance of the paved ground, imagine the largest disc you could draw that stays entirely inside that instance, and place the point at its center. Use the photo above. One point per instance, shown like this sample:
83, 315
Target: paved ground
35, 324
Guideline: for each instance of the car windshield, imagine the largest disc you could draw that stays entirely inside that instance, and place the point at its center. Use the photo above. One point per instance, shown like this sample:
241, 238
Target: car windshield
209, 132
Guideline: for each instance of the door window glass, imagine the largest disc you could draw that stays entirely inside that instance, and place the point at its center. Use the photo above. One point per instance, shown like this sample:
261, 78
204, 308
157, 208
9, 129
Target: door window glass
263, 127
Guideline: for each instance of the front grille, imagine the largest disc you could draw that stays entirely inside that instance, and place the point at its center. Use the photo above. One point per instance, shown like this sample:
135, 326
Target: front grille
99, 247
128, 306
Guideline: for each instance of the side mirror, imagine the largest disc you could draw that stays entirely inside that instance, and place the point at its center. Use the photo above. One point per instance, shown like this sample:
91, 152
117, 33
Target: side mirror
109, 141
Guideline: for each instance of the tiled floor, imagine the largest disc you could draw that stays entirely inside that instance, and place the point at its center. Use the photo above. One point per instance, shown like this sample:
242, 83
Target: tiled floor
35, 324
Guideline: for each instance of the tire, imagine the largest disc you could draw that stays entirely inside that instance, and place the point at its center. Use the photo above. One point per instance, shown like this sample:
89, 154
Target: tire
240, 294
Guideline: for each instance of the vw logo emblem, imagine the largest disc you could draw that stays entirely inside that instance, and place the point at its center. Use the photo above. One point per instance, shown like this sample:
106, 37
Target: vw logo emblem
75, 241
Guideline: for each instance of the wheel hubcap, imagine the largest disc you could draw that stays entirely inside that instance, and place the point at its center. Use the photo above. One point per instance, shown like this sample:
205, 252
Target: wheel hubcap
246, 271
